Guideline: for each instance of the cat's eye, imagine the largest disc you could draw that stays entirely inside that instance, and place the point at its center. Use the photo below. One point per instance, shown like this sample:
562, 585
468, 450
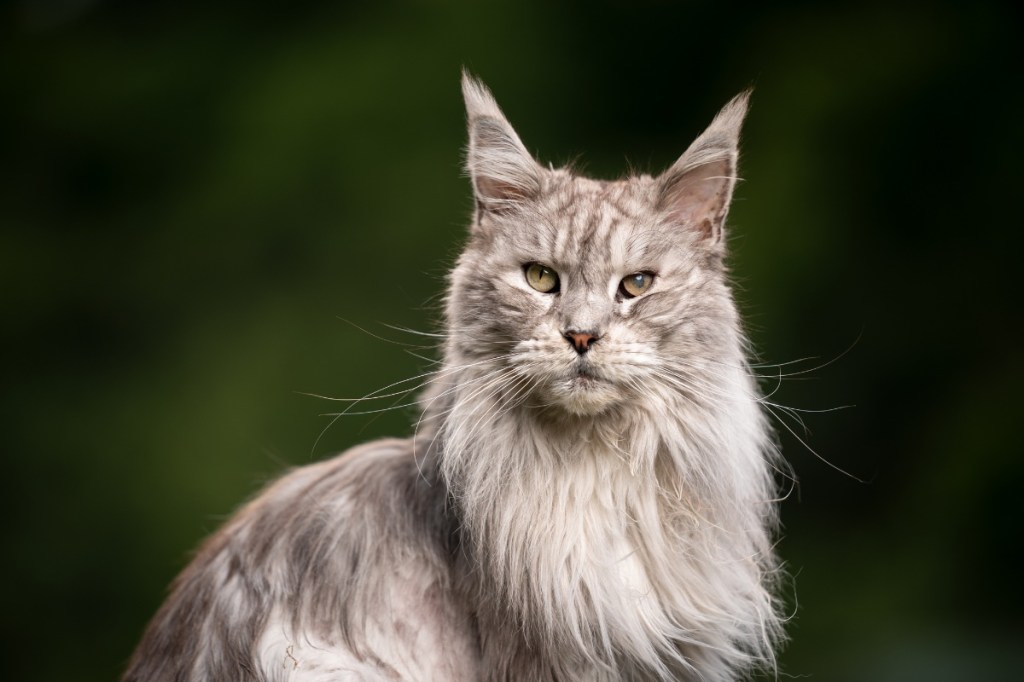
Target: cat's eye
541, 277
638, 283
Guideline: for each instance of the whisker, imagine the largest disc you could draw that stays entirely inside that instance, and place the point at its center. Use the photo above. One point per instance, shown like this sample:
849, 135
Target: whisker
812, 450
375, 395
823, 365
377, 336
424, 358
809, 411
408, 330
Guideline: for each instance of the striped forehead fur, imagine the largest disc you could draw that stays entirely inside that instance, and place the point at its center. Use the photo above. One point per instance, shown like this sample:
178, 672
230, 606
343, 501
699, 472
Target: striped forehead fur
561, 513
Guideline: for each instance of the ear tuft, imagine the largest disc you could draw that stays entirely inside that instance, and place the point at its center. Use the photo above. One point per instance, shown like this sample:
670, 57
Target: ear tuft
479, 100
503, 172
696, 191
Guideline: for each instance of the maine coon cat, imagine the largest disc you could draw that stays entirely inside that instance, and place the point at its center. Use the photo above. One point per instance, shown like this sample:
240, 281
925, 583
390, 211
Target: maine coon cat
589, 491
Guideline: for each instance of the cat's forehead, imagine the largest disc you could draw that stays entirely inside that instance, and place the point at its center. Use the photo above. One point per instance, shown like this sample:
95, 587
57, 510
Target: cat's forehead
631, 194
585, 222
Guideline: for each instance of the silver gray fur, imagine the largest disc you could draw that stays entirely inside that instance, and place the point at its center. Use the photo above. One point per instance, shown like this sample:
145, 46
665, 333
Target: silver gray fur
557, 515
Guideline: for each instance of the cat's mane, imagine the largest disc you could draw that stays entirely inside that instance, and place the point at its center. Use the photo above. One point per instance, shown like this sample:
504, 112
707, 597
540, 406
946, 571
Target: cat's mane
524, 535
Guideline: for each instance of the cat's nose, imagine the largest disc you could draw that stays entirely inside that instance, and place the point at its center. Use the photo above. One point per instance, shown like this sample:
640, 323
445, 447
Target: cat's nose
581, 341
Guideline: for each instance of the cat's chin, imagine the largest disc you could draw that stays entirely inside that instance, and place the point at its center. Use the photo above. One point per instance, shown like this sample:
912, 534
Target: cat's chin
585, 395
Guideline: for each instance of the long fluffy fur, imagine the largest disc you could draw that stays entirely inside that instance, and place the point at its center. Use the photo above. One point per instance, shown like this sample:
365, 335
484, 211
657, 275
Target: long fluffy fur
556, 516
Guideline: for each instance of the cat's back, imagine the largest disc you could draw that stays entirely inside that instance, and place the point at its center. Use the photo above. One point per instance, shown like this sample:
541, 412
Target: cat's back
338, 570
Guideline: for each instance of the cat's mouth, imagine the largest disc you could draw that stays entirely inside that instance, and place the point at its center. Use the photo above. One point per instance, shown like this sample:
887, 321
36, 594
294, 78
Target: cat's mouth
586, 380
578, 385
584, 373
586, 391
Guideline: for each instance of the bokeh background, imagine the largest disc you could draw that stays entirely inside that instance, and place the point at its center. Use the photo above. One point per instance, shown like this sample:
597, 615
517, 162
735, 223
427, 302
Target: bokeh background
203, 207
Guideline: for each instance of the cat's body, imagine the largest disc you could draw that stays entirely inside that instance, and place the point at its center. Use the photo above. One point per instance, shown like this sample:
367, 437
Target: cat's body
588, 495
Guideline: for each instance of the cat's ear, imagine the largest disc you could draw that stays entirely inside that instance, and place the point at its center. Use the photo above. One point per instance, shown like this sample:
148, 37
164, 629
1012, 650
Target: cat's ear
503, 172
695, 192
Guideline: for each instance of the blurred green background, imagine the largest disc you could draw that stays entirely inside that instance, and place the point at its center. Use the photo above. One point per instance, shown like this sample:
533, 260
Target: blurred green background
195, 199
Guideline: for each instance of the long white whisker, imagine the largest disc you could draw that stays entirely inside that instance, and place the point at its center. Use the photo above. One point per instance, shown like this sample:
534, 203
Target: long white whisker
377, 336
443, 372
812, 450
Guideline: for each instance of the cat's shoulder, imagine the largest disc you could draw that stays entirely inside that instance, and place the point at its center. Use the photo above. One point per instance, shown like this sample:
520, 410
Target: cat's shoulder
337, 565
357, 481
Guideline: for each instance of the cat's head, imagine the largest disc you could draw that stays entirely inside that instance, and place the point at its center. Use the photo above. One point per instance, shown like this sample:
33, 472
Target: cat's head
586, 295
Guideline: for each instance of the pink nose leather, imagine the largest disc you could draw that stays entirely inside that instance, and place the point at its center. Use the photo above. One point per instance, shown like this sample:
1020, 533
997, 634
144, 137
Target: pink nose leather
581, 341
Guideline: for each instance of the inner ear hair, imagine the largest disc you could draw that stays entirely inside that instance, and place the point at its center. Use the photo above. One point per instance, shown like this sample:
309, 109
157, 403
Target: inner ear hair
696, 191
696, 195
504, 174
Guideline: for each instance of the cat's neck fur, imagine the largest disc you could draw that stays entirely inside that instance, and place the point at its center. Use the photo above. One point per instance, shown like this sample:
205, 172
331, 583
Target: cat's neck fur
603, 537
